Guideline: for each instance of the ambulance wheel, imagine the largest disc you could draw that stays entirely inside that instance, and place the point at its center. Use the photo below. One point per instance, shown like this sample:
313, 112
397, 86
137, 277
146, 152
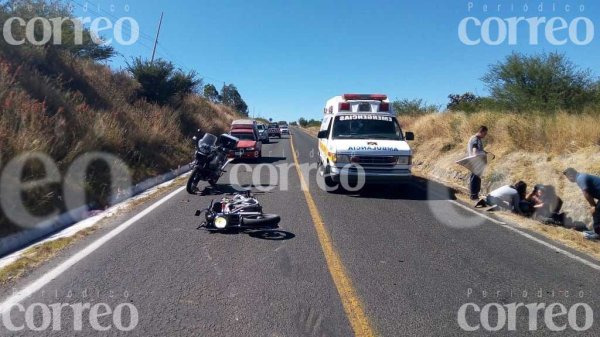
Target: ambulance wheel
324, 172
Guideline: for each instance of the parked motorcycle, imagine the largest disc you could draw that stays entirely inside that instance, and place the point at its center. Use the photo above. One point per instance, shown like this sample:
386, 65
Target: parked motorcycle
210, 160
237, 211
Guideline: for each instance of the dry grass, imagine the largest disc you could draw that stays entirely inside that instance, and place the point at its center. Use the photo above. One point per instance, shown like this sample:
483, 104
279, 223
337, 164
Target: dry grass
557, 134
312, 130
37, 255
534, 149
569, 238
63, 107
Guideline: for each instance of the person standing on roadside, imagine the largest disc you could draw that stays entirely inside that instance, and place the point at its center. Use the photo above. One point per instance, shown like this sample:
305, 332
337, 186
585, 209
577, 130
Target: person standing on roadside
590, 185
474, 148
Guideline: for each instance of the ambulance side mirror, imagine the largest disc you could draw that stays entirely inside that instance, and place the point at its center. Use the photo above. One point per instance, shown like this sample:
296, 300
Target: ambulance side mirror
322, 134
410, 136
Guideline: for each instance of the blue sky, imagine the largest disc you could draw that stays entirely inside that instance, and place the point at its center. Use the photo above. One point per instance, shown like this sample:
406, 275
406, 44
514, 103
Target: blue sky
288, 57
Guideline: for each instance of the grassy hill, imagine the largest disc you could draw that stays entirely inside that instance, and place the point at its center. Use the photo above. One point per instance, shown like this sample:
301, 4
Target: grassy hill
64, 106
530, 147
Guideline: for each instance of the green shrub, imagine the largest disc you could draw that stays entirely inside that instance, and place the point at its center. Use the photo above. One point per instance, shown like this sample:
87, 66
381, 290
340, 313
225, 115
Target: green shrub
413, 107
545, 83
161, 82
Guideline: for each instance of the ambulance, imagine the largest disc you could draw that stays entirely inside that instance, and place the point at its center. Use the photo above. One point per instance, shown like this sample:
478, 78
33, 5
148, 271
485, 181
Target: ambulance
360, 137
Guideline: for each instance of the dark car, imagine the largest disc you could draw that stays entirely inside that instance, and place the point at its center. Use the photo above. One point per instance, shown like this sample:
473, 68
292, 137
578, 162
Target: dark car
274, 130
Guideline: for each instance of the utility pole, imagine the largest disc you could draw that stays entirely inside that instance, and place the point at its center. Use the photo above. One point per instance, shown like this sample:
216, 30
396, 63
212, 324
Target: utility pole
157, 35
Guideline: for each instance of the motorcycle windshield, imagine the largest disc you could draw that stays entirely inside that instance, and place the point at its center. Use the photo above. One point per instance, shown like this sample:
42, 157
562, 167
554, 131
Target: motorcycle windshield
208, 139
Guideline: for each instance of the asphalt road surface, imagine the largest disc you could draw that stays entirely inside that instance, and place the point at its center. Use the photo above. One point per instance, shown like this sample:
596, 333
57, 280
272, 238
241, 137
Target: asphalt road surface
388, 261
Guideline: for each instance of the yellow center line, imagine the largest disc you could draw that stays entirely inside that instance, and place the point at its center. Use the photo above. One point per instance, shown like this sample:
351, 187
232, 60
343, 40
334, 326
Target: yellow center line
350, 300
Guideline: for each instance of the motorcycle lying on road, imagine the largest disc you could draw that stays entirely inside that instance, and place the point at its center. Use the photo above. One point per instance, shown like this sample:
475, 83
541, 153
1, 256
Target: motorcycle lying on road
238, 211
210, 160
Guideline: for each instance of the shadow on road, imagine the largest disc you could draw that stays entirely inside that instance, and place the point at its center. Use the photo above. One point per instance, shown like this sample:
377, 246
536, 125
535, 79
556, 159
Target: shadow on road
232, 189
221, 189
263, 234
419, 189
270, 160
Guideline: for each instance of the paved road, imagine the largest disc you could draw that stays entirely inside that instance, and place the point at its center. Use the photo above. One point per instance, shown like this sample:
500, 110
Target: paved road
409, 260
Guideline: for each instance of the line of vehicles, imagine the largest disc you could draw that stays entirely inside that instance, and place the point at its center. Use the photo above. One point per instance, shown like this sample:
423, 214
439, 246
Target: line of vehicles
359, 138
253, 134
243, 142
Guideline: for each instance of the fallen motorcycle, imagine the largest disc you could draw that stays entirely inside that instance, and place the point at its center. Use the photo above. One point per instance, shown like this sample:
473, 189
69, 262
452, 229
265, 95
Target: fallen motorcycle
237, 211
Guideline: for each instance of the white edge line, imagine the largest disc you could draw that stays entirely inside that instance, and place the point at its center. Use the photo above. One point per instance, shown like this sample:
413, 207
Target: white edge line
533, 238
551, 246
529, 236
86, 223
477, 213
33, 287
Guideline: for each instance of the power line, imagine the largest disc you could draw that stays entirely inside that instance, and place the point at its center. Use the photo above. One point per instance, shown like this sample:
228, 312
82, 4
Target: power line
128, 29
157, 35
142, 35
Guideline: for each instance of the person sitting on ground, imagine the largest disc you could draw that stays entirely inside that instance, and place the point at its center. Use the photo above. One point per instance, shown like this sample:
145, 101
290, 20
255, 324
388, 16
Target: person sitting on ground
509, 197
546, 205
590, 185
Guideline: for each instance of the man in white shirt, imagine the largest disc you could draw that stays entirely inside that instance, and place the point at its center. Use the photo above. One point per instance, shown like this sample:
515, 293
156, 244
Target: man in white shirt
509, 197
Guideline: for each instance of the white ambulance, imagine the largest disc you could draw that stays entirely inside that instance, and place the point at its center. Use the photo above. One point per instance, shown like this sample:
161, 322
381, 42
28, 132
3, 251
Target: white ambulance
360, 137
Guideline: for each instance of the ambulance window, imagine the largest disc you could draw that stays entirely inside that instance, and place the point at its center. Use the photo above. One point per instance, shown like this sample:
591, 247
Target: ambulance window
364, 107
366, 127
325, 124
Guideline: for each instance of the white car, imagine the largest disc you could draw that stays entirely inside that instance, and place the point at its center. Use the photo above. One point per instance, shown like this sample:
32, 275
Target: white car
284, 129
360, 135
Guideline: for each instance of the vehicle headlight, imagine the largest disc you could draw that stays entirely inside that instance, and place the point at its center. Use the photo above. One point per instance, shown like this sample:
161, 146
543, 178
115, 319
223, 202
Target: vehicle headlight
220, 222
342, 159
404, 160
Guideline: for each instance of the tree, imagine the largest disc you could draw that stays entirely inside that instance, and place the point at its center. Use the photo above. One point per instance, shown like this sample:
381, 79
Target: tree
161, 82
302, 122
467, 102
413, 107
543, 82
75, 38
211, 93
232, 98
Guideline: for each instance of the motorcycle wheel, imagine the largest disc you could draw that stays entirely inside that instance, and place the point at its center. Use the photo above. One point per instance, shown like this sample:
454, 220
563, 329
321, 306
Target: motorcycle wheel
192, 183
263, 220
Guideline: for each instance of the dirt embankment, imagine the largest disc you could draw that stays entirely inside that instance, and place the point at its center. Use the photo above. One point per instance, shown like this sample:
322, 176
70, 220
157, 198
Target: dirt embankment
533, 148
62, 106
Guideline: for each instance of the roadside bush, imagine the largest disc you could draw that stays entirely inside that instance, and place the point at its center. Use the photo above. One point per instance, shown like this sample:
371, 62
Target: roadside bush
545, 82
161, 82
413, 107
308, 123
29, 9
